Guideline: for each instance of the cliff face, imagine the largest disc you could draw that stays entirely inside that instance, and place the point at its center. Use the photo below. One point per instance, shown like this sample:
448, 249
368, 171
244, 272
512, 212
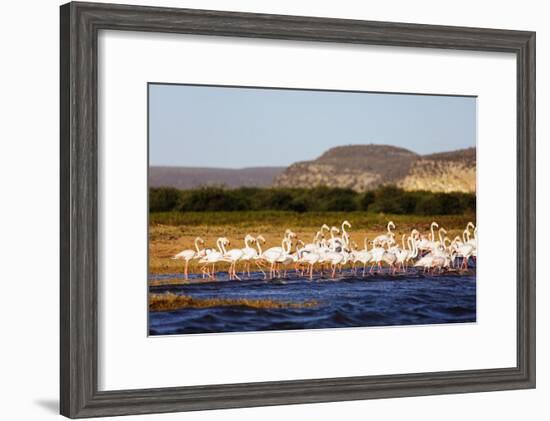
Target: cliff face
364, 167
443, 172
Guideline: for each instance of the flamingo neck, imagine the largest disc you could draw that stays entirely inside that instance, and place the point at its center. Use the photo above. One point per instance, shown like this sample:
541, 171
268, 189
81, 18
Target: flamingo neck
345, 239
286, 246
344, 232
414, 248
197, 245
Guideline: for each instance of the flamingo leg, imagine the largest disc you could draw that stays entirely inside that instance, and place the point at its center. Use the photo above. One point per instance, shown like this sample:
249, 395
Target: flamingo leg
261, 269
235, 272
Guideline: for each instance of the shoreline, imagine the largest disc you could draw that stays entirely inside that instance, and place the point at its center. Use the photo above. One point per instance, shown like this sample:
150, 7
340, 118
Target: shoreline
196, 279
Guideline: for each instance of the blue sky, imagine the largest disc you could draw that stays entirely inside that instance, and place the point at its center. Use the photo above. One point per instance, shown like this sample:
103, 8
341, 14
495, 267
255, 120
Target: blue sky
204, 126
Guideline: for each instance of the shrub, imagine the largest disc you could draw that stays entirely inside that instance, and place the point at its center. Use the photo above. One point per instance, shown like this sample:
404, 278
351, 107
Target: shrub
213, 199
390, 199
163, 199
366, 200
385, 199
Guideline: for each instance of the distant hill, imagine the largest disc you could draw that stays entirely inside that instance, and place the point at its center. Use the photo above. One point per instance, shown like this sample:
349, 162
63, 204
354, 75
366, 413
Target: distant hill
364, 167
191, 177
358, 167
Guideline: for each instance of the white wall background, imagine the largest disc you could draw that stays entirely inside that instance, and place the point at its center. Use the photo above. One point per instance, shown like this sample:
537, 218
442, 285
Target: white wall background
29, 256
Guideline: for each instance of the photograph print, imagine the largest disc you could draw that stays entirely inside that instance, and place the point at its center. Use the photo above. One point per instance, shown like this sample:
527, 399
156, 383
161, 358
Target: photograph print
274, 209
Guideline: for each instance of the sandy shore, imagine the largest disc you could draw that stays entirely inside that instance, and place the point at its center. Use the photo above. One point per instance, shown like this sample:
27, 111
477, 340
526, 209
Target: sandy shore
167, 240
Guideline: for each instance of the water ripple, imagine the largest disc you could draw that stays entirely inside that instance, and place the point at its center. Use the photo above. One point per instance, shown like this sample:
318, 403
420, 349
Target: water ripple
346, 302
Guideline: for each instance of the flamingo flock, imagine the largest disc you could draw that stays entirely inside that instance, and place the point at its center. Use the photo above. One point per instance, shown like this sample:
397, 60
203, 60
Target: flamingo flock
332, 248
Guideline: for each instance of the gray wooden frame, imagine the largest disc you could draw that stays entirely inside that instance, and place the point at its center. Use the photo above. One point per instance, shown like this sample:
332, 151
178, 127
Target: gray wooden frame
80, 23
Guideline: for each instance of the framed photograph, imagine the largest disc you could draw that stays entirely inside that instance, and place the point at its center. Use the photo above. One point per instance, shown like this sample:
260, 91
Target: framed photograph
264, 209
362, 235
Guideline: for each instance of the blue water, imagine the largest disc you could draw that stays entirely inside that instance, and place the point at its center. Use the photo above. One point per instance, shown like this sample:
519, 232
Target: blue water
349, 301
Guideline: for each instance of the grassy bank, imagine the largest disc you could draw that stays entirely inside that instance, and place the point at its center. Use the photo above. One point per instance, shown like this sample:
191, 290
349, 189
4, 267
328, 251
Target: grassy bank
171, 232
169, 302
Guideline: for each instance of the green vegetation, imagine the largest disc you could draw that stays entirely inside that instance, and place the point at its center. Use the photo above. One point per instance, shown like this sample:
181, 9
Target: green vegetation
386, 199
239, 221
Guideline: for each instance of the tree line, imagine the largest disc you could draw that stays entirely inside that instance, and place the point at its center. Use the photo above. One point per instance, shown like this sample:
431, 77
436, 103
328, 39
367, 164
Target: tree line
385, 199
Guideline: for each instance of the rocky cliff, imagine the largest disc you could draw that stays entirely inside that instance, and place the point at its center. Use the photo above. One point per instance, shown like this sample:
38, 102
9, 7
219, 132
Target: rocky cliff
364, 167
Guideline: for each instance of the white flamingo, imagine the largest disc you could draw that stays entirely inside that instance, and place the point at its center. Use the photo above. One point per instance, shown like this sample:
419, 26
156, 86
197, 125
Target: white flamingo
310, 259
273, 254
425, 262
188, 255
384, 239
334, 241
427, 244
334, 258
258, 257
465, 251
441, 237
316, 243
390, 257
363, 256
287, 258
233, 256
214, 256
413, 253
345, 234
404, 253
377, 256
249, 253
